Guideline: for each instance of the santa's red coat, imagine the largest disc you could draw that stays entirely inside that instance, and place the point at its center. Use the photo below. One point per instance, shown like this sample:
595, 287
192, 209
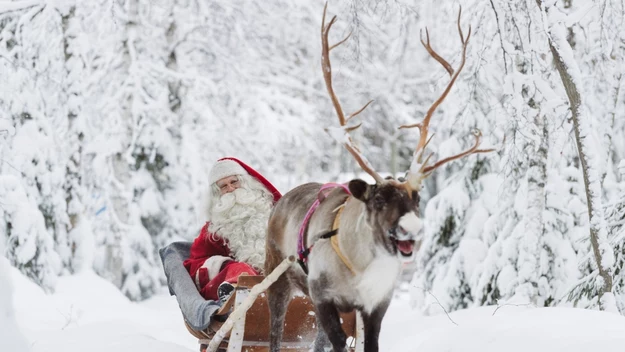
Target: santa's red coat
211, 262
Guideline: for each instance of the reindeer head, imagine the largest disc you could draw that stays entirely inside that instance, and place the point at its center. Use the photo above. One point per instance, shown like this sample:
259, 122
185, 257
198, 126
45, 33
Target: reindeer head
392, 214
392, 206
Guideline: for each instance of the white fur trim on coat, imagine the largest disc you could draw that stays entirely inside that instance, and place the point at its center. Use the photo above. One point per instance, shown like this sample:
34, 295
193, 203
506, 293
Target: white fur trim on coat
212, 264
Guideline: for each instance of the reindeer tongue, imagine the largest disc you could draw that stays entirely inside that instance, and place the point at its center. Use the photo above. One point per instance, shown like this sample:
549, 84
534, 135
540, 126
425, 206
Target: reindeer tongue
405, 247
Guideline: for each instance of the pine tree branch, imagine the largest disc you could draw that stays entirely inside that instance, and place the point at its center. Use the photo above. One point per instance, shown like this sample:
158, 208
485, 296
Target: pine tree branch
503, 50
11, 6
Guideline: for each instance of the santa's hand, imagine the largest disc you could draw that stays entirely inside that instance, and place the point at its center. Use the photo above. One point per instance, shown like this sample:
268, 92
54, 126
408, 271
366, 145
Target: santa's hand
212, 266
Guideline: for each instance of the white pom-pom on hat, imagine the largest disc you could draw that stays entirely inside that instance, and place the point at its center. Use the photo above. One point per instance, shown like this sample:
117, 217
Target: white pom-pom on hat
225, 168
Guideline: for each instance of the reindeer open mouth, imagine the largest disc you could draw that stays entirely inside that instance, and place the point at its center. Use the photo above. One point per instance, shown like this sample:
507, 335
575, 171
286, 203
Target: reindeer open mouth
403, 235
405, 247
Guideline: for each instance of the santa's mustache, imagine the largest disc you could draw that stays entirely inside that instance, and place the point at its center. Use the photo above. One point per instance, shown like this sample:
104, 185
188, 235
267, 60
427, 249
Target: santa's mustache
239, 196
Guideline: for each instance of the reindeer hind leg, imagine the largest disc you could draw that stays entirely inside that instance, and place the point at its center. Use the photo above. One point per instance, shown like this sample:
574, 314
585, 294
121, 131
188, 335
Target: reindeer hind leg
278, 296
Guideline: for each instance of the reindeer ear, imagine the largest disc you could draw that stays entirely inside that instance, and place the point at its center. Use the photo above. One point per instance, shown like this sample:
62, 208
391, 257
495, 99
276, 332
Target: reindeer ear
360, 189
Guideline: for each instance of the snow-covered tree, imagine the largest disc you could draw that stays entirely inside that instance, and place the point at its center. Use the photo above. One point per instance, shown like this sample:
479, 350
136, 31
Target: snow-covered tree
615, 217
589, 156
33, 167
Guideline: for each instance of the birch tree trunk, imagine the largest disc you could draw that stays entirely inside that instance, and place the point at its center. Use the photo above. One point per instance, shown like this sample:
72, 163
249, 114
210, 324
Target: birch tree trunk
570, 74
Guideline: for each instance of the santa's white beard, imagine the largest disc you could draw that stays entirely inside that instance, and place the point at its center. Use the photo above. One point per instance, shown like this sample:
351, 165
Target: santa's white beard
240, 217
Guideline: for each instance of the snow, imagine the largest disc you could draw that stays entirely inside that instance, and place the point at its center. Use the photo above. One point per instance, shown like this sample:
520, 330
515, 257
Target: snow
12, 339
87, 313
506, 328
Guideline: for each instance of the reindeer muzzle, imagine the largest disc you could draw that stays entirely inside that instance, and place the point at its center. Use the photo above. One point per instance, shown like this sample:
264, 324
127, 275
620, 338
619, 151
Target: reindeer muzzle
404, 235
402, 240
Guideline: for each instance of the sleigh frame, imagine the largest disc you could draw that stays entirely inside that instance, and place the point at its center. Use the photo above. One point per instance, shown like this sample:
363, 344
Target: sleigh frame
250, 331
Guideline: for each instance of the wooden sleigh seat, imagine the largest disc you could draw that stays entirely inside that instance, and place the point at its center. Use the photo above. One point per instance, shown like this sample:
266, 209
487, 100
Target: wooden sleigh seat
251, 334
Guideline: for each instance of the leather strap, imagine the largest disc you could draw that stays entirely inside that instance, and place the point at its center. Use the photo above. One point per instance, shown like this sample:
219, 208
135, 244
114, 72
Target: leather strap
334, 240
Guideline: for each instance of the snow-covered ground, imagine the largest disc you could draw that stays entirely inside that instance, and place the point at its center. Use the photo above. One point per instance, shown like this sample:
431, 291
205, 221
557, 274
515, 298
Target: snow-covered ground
86, 313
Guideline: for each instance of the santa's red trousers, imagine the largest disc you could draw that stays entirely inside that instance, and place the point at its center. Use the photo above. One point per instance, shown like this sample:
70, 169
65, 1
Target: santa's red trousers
230, 272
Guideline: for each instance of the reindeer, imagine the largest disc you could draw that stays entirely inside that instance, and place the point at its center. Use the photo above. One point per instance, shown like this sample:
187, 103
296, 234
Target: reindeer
352, 238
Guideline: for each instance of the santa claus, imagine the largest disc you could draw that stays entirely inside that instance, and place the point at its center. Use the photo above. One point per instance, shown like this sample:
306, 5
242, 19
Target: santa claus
233, 241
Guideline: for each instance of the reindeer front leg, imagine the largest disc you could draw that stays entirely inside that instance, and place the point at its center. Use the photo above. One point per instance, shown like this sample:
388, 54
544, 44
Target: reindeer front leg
329, 320
321, 343
373, 323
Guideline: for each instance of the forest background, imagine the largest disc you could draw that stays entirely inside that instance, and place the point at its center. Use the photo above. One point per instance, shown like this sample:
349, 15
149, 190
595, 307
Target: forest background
113, 111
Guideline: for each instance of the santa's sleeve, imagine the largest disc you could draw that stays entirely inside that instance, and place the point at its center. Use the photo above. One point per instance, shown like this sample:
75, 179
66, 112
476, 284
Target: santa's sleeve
208, 254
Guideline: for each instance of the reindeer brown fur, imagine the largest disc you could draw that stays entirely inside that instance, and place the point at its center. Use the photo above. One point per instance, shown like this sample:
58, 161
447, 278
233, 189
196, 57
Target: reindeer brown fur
379, 226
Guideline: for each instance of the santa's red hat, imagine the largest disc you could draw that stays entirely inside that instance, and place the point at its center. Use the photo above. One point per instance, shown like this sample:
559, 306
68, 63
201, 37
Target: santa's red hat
229, 166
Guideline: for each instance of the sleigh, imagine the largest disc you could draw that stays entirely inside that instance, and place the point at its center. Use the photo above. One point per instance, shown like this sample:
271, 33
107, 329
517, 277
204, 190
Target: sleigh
250, 333
242, 322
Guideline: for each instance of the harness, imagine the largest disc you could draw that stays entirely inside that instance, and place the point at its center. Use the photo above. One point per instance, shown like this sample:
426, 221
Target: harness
304, 251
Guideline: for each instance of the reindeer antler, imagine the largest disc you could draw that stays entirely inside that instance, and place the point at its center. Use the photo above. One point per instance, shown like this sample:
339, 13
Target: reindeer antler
419, 168
326, 67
